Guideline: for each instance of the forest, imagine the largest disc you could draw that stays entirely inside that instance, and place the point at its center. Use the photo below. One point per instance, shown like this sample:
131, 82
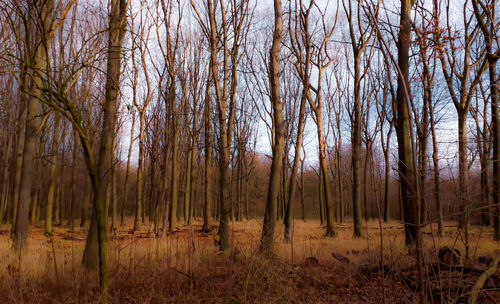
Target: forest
249, 151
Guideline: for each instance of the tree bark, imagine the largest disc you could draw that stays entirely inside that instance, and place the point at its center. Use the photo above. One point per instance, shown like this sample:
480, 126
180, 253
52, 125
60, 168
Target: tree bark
95, 247
435, 169
208, 160
43, 18
295, 169
267, 238
53, 175
406, 163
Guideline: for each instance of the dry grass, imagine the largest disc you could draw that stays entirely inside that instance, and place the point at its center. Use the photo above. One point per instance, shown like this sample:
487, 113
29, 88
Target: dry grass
187, 268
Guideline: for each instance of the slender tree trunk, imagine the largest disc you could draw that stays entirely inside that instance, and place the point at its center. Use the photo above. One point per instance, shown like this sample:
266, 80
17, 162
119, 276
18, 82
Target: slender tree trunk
338, 163
53, 177
387, 175
208, 160
127, 173
84, 204
435, 169
187, 185
140, 183
114, 201
302, 190
6, 182
325, 177
295, 168
365, 181
321, 198
172, 224
60, 201
72, 204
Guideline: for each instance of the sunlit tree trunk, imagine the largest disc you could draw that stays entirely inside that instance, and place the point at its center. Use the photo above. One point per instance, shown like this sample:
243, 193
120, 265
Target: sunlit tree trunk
267, 238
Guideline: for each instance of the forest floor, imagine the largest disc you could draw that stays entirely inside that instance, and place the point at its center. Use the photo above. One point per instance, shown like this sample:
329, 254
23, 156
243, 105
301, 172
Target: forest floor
185, 267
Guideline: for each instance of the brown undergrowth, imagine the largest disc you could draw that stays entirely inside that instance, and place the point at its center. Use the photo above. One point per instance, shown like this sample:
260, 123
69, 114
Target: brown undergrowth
185, 267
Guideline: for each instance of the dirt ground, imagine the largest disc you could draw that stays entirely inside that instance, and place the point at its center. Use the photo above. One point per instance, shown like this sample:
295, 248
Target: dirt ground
185, 267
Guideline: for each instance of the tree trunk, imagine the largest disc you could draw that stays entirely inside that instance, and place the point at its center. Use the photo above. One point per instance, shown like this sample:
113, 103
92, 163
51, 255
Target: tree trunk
295, 169
495, 124
127, 173
267, 238
72, 204
172, 224
324, 174
435, 169
6, 181
356, 150
53, 176
463, 178
208, 160
140, 183
20, 132
406, 163
99, 178
187, 185
43, 22
387, 175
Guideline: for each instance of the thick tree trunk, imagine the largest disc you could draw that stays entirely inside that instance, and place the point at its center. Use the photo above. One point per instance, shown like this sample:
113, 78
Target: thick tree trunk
495, 124
463, 178
356, 151
20, 132
267, 238
406, 164
100, 178
44, 21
